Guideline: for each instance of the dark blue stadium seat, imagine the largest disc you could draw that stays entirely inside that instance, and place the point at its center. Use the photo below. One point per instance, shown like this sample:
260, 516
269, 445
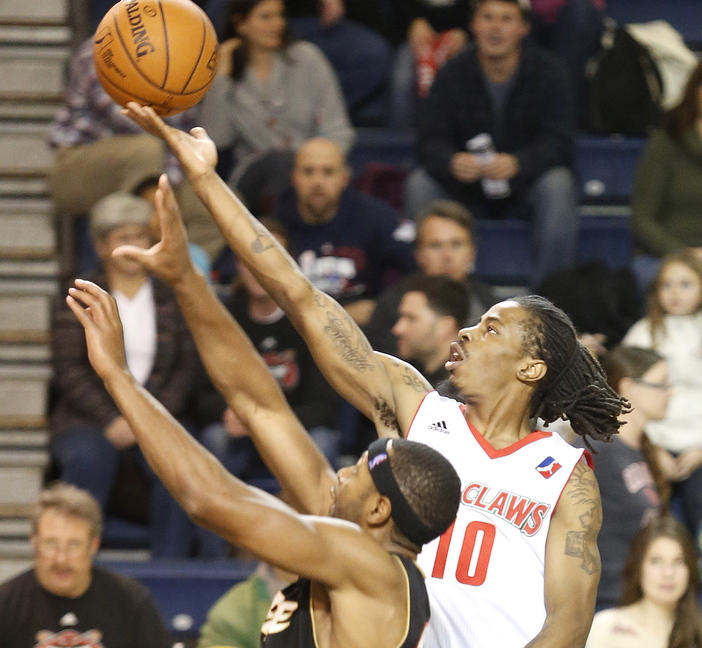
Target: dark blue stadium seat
684, 15
185, 590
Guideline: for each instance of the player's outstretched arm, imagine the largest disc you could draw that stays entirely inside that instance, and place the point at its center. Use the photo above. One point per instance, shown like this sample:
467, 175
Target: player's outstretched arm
234, 365
380, 388
328, 550
572, 569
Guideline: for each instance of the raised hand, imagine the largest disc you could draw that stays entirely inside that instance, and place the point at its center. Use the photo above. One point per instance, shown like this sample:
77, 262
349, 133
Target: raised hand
97, 311
169, 259
196, 152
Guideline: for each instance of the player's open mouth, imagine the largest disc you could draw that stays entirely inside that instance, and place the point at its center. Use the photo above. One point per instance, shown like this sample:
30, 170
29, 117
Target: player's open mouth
456, 356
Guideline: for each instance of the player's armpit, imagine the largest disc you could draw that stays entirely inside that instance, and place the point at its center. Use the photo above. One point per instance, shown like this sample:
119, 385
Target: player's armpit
572, 568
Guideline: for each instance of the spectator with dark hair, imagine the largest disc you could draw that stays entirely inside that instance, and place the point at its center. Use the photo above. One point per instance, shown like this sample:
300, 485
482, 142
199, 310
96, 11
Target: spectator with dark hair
64, 600
346, 242
445, 245
633, 488
431, 312
89, 437
666, 199
659, 604
518, 96
270, 95
99, 151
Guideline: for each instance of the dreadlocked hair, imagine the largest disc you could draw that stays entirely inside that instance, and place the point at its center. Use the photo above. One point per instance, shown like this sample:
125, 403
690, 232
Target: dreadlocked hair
575, 387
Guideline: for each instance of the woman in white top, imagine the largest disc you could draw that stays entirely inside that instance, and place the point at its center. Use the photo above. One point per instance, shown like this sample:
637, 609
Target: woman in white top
673, 327
659, 607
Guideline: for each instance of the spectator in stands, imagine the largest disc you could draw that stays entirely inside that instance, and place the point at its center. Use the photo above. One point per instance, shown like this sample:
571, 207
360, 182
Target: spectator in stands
432, 33
270, 95
445, 245
235, 620
659, 605
673, 327
64, 600
431, 313
520, 96
345, 241
666, 200
89, 437
349, 35
309, 395
98, 151
632, 486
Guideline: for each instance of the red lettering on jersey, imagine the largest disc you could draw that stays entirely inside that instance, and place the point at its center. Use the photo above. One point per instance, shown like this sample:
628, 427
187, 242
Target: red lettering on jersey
537, 518
469, 493
518, 510
479, 500
497, 505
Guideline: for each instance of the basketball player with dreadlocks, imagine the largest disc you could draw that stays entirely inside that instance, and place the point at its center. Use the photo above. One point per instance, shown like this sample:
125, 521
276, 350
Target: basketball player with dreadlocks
519, 567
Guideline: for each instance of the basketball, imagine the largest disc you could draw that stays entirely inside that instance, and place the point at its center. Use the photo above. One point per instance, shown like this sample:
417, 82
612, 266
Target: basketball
159, 53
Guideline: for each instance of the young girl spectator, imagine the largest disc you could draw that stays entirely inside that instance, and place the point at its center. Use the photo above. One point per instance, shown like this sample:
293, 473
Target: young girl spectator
673, 327
632, 486
270, 95
659, 605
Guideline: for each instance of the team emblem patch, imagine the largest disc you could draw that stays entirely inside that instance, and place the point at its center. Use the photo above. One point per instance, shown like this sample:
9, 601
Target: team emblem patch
548, 467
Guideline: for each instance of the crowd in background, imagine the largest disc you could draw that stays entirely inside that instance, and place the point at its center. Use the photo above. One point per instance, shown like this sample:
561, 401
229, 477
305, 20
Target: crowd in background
493, 94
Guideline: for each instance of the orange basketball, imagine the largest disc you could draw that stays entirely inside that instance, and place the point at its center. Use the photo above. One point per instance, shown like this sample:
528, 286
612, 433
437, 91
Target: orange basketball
159, 53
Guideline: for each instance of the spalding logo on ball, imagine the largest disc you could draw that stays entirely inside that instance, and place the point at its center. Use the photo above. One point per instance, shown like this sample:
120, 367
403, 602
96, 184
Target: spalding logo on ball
159, 53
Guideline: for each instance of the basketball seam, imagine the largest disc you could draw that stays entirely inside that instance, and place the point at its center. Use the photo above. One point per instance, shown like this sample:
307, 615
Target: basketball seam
199, 56
104, 79
165, 38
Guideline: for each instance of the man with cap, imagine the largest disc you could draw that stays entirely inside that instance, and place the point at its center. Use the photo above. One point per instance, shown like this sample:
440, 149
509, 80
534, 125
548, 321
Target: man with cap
89, 436
358, 583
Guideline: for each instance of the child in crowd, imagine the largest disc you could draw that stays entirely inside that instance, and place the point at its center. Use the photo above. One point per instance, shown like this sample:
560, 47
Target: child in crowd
673, 327
659, 605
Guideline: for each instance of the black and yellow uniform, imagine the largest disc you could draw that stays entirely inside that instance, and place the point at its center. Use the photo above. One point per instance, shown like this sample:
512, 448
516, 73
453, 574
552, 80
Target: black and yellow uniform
290, 623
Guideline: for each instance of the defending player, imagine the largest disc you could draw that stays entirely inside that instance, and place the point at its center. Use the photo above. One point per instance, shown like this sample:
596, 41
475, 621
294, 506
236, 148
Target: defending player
360, 586
520, 565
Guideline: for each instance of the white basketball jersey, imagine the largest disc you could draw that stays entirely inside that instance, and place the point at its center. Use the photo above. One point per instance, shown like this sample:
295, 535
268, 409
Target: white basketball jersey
485, 575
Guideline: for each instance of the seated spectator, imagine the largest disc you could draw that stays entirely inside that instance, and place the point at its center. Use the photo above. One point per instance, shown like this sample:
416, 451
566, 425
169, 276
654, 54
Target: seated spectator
309, 395
346, 242
432, 311
269, 96
445, 245
89, 437
349, 35
632, 486
64, 600
99, 151
659, 605
673, 327
666, 199
235, 620
518, 96
433, 32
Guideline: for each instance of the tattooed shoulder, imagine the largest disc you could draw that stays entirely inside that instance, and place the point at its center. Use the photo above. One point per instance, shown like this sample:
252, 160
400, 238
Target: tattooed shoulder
583, 496
411, 379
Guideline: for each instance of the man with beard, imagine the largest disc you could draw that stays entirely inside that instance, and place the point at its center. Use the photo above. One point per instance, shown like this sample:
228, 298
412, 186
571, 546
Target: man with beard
345, 241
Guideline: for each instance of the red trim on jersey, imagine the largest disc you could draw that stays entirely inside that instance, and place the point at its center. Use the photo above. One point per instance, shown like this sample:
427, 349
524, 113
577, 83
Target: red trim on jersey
503, 452
414, 416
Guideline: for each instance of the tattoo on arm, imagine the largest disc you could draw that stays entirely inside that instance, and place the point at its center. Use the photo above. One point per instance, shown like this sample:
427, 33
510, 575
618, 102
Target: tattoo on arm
352, 345
583, 544
264, 240
410, 379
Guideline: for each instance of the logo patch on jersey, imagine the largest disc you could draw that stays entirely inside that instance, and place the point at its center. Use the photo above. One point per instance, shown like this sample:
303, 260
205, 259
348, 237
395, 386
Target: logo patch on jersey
439, 426
522, 512
548, 467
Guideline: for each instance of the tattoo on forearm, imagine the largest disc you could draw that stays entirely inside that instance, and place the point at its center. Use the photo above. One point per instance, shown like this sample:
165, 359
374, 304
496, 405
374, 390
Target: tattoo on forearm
583, 544
351, 344
264, 240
